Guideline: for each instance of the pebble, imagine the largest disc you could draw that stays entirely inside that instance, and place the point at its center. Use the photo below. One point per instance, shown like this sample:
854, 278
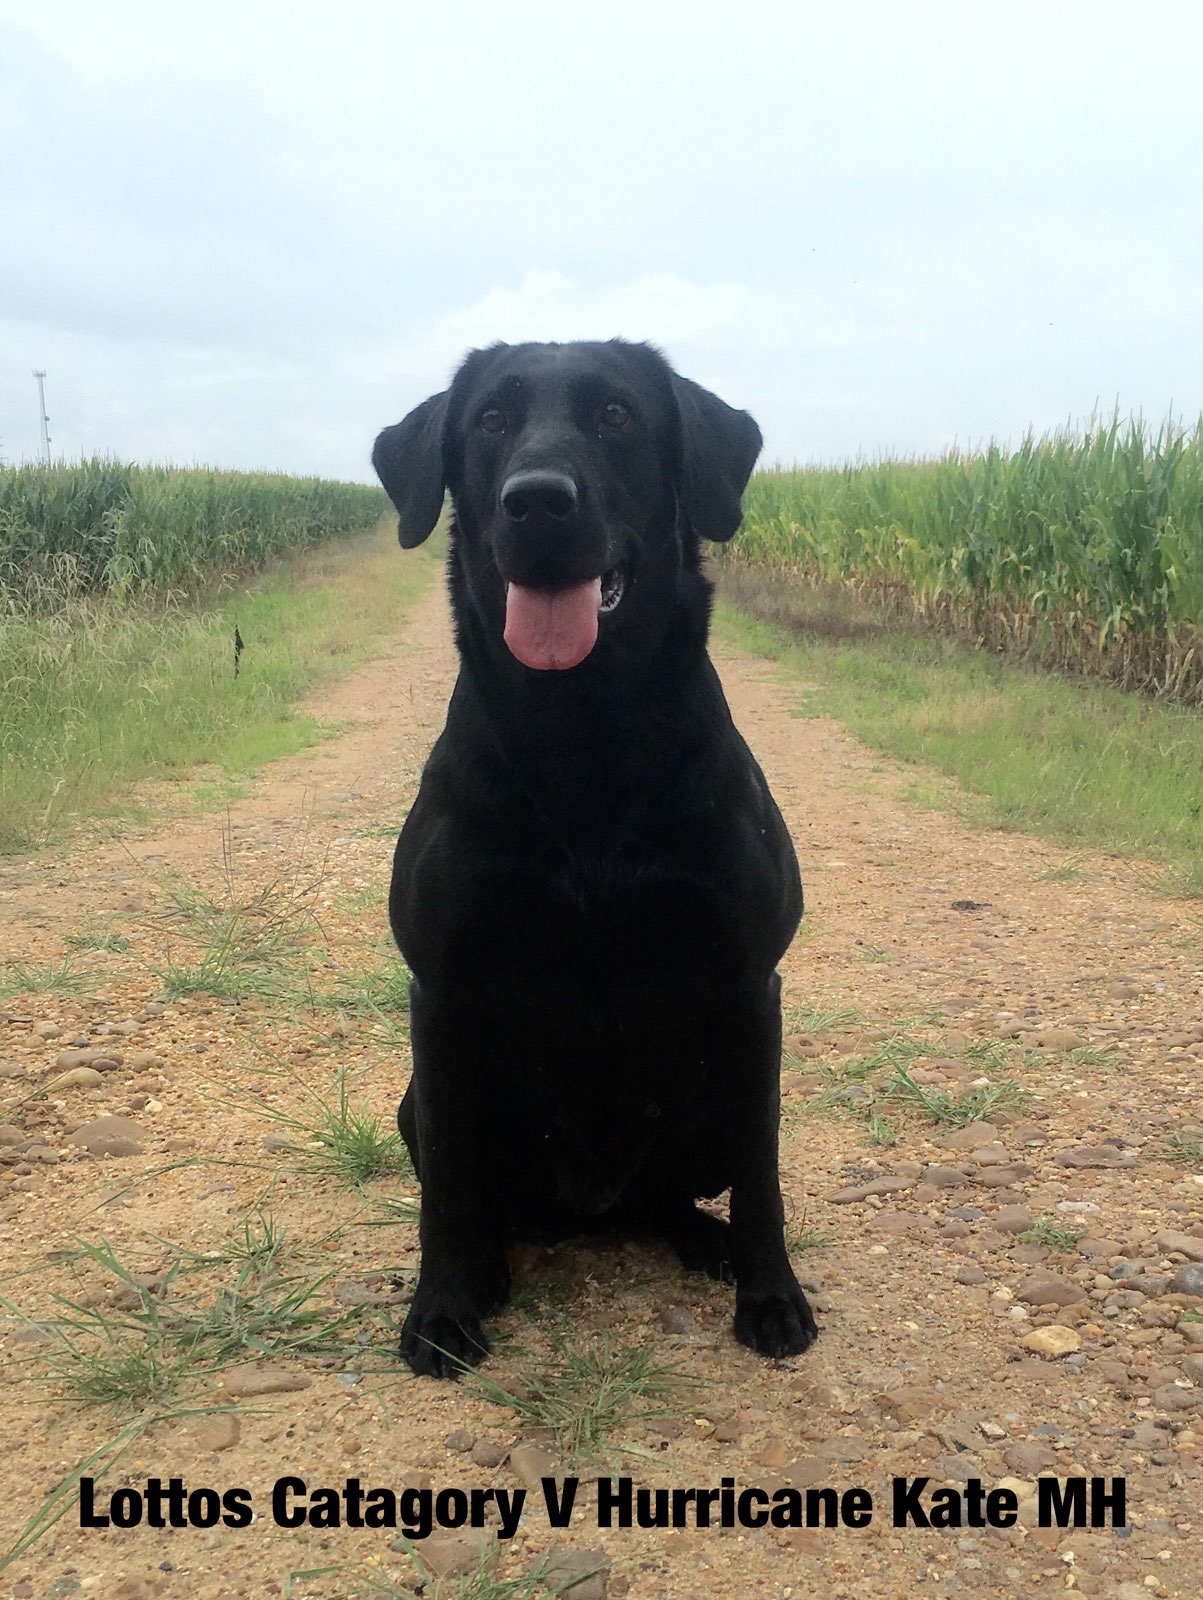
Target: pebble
456, 1554
563, 1561
1104, 1155
461, 1441
1170, 1397
969, 1275
109, 1136
1053, 1341
532, 1464
1056, 1039
264, 1378
862, 1191
100, 1060
1027, 1459
220, 1432
900, 1221
1189, 1280
945, 1177
10, 1135
1050, 1289
489, 1452
1182, 1244
76, 1078
971, 1137
1004, 1177
1012, 1219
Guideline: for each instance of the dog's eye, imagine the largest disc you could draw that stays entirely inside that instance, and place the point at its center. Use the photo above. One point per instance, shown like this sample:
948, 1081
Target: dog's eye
492, 421
615, 416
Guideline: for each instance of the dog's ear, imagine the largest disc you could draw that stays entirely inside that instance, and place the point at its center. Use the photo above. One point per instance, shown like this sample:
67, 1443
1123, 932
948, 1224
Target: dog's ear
408, 458
719, 446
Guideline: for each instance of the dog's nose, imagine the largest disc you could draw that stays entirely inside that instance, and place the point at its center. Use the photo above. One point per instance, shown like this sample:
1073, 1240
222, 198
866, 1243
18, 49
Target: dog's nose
539, 497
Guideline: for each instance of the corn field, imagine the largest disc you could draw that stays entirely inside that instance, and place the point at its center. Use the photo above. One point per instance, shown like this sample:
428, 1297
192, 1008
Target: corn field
1084, 551
104, 526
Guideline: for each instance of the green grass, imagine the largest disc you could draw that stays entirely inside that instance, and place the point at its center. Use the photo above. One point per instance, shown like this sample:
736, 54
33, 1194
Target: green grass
379, 990
113, 943
482, 1582
801, 1238
1055, 1236
236, 941
806, 1019
1086, 764
1067, 872
162, 1339
586, 1394
59, 977
341, 1140
955, 1110
98, 693
1187, 1147
871, 1085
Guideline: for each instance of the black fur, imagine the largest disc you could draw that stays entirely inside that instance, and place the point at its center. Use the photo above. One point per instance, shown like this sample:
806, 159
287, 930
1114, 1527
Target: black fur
594, 885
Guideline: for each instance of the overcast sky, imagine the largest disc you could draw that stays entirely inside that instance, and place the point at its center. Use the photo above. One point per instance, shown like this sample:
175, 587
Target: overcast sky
251, 234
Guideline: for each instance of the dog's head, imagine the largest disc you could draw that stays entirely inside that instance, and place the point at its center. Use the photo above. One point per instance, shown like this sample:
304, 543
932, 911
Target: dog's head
582, 477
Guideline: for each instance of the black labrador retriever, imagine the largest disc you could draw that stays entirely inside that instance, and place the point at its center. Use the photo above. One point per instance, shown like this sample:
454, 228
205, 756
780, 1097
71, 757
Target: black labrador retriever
594, 885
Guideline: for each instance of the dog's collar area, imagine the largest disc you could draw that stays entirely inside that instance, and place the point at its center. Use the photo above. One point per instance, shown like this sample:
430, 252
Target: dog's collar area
613, 585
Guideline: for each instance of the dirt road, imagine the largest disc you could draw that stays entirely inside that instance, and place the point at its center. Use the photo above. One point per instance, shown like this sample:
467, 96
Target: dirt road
936, 963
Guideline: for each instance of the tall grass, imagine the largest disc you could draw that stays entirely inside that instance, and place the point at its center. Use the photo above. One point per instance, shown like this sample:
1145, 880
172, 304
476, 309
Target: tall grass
103, 525
1085, 551
99, 691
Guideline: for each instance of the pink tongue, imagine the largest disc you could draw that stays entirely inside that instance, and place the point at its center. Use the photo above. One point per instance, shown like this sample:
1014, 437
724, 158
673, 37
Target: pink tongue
552, 628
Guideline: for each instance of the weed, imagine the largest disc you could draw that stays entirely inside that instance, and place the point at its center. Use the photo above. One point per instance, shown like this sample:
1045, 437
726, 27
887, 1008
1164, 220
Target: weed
1065, 873
804, 1019
1184, 1147
375, 830
64, 977
801, 1238
880, 1131
98, 941
1055, 1236
1181, 881
956, 1110
1089, 1055
379, 990
161, 1338
482, 1582
586, 1394
342, 1140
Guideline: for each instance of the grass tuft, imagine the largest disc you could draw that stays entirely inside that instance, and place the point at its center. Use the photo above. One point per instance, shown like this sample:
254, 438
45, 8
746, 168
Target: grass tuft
1054, 1235
587, 1393
341, 1140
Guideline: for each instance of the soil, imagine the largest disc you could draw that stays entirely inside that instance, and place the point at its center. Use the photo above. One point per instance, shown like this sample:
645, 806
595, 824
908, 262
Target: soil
985, 953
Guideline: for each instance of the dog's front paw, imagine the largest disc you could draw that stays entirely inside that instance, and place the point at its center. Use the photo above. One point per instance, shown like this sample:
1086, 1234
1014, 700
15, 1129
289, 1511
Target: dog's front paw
775, 1324
438, 1343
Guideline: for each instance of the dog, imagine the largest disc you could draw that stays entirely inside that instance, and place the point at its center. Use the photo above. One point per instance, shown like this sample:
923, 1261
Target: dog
594, 886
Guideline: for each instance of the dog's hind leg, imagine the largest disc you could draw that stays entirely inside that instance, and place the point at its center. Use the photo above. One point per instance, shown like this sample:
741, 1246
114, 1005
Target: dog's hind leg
702, 1241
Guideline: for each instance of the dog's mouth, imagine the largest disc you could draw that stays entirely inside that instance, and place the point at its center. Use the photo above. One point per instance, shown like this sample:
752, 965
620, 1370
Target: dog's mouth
555, 629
